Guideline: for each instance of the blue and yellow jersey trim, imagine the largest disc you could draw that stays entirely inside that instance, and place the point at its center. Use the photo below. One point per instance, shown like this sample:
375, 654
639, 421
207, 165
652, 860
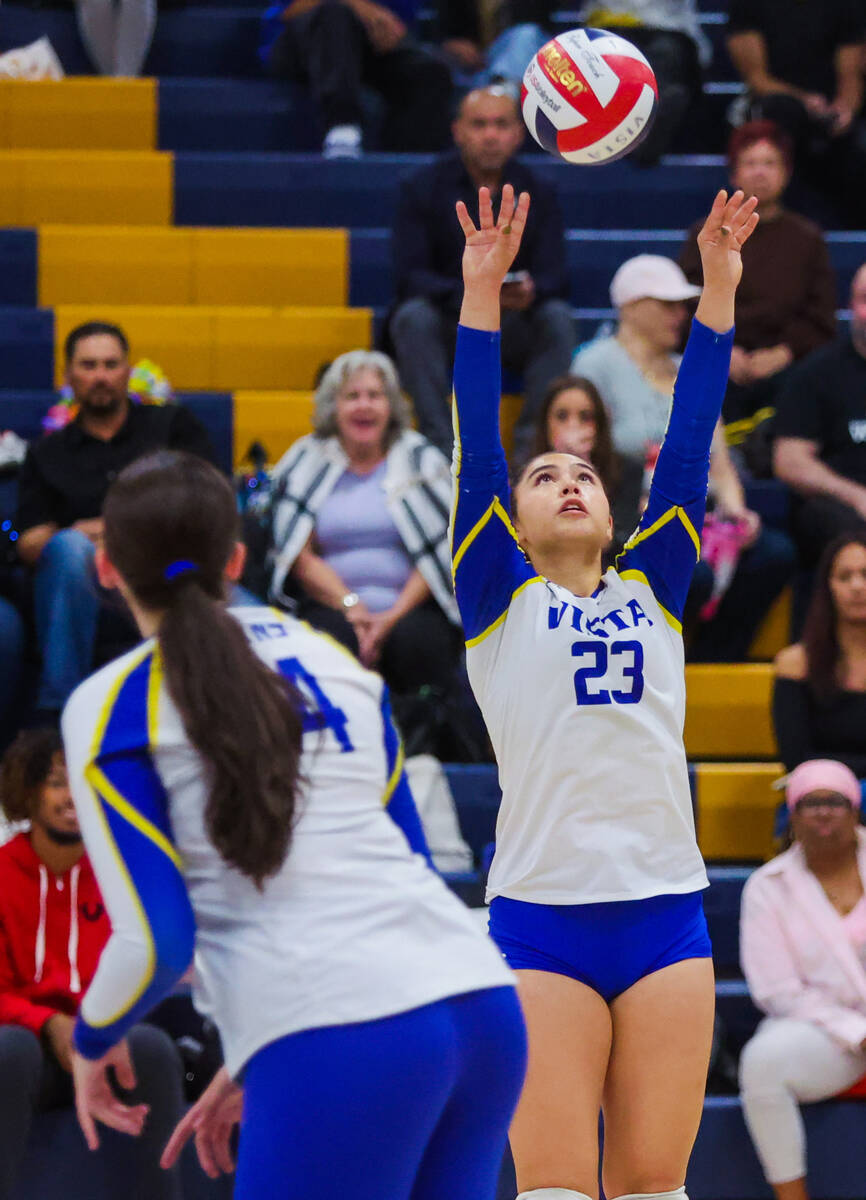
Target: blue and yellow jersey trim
488, 566
397, 797
662, 553
133, 814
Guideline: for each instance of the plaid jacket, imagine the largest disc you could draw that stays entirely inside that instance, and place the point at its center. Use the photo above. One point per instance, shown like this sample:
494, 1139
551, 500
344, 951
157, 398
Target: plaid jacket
418, 497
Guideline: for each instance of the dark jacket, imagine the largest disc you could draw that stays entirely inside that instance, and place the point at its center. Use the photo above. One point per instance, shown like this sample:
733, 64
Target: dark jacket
428, 242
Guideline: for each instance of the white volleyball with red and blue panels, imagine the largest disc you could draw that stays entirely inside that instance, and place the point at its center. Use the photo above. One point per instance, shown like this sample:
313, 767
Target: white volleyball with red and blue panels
588, 96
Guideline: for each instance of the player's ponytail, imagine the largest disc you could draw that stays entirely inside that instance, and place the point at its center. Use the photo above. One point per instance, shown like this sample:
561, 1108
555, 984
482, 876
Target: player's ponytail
170, 526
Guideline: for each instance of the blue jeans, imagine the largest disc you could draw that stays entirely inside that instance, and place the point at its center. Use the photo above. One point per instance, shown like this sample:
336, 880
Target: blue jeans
66, 602
508, 56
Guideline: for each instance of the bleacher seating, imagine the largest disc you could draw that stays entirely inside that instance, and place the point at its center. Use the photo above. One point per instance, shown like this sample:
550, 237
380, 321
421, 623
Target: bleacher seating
193, 208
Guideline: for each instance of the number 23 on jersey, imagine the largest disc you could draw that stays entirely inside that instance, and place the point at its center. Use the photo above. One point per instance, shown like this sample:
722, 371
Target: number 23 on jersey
609, 672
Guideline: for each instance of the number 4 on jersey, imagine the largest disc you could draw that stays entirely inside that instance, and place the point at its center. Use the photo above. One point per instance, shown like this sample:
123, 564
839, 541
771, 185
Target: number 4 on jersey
319, 712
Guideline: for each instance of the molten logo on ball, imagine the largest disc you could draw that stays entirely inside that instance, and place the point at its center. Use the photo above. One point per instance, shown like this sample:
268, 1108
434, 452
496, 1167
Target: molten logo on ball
588, 96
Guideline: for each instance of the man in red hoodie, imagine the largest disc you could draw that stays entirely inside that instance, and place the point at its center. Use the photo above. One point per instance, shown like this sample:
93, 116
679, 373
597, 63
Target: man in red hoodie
53, 927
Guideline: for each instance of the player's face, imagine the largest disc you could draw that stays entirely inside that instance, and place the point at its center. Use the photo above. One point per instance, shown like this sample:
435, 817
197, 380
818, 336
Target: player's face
98, 374
760, 171
571, 423
848, 583
659, 321
487, 131
560, 497
55, 812
363, 410
824, 820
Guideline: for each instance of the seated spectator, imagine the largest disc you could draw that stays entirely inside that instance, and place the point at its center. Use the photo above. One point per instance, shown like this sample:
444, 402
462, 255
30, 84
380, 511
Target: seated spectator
803, 67
803, 949
62, 485
52, 930
360, 528
573, 420
820, 435
117, 33
537, 329
669, 35
819, 692
336, 47
634, 369
488, 43
786, 306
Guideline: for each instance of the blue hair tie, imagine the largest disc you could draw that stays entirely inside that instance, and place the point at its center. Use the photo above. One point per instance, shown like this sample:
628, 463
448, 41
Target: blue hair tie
181, 567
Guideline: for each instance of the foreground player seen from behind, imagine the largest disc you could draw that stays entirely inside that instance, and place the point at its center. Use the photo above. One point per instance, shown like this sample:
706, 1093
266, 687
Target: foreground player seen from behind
595, 884
240, 790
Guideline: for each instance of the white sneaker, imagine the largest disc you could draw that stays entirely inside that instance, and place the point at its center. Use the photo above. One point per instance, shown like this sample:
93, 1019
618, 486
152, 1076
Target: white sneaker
343, 141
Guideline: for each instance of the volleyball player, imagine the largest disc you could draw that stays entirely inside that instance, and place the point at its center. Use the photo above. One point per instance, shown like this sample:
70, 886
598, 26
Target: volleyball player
595, 884
231, 776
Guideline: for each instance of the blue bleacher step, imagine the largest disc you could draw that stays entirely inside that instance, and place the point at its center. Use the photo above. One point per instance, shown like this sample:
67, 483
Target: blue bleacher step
303, 189
22, 410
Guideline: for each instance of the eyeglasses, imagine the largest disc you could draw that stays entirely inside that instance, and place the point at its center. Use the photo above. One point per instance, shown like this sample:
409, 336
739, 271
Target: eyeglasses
809, 803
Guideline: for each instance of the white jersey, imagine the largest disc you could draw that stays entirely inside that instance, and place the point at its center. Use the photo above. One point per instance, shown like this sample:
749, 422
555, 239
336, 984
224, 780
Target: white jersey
353, 927
584, 696
584, 700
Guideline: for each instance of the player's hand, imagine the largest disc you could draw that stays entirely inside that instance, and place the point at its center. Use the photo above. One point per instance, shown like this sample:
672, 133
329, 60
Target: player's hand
728, 227
212, 1120
492, 247
95, 1099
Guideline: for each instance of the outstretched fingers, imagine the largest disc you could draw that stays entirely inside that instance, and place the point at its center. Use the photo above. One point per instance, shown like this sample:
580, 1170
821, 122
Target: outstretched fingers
466, 222
485, 208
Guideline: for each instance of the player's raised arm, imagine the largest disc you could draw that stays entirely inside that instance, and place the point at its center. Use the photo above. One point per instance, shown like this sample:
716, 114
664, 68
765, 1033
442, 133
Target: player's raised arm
666, 546
490, 250
486, 560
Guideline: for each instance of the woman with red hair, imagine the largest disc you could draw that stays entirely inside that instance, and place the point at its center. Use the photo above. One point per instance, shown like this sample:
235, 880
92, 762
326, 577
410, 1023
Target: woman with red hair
786, 306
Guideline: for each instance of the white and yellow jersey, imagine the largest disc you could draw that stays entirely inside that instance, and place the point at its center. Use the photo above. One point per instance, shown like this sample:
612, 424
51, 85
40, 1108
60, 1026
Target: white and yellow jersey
584, 696
354, 926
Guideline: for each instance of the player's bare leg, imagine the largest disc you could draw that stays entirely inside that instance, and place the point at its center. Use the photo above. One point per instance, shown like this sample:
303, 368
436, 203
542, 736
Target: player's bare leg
654, 1093
554, 1134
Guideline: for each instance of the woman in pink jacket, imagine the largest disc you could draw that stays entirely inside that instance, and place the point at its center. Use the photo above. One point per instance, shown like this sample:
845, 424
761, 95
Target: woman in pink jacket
803, 949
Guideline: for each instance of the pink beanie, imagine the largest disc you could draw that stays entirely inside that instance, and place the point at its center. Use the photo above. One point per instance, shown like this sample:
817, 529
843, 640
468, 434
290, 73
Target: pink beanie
822, 775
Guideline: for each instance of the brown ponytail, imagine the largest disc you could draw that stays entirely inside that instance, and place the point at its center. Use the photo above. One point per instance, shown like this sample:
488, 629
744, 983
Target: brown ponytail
170, 526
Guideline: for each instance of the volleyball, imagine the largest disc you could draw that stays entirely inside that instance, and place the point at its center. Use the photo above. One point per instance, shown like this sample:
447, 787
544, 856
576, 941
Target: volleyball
588, 96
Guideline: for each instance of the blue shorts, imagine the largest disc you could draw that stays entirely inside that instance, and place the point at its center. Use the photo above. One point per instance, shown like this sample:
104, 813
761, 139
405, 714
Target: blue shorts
410, 1107
610, 946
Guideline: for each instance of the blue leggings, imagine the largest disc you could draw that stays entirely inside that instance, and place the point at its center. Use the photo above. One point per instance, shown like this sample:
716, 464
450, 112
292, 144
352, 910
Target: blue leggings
410, 1107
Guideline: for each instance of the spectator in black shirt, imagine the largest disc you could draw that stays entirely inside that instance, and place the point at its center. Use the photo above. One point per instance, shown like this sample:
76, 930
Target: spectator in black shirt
803, 66
537, 329
819, 691
820, 430
61, 489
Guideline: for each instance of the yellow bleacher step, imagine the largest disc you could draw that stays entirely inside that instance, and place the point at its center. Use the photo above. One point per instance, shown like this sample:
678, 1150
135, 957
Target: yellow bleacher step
204, 348
275, 419
81, 264
78, 114
86, 187
774, 632
736, 807
728, 710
